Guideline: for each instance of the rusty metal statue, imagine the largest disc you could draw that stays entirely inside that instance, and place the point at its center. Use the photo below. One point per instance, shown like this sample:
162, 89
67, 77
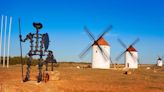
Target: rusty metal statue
39, 44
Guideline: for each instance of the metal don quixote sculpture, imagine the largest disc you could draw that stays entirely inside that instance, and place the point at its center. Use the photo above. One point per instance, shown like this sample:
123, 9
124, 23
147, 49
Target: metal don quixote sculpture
39, 44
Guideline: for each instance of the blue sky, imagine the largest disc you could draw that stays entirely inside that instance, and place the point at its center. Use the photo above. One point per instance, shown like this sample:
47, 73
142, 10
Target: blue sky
64, 21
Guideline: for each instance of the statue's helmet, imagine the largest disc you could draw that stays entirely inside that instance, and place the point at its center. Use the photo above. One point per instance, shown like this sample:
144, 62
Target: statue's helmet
37, 25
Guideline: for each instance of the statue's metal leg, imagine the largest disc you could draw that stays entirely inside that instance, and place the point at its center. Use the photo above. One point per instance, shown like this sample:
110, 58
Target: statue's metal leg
46, 66
27, 78
40, 65
52, 66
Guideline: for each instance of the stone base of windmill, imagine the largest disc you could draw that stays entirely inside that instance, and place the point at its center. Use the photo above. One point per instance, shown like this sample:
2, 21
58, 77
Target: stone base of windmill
53, 75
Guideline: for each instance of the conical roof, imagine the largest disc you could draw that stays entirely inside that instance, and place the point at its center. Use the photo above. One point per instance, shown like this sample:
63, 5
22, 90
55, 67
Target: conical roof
159, 58
102, 41
131, 48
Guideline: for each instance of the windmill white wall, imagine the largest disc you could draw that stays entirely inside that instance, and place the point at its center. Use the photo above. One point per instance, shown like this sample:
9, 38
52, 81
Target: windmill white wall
131, 61
159, 62
98, 60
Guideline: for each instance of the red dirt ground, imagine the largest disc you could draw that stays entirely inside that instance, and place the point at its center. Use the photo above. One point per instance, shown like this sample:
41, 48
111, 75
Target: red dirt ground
84, 80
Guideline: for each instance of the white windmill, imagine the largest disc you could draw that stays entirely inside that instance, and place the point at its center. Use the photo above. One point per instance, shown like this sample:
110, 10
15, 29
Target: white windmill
100, 50
131, 55
160, 61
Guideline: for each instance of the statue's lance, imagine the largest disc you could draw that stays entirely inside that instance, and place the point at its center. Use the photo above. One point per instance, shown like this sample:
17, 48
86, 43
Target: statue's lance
20, 47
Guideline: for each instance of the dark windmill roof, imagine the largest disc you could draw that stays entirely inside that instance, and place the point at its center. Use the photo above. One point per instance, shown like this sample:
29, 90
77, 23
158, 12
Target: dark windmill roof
159, 58
102, 41
131, 48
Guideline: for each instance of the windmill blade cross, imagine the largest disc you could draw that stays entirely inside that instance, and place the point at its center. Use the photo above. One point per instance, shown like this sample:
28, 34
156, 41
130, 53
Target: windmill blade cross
105, 32
111, 60
117, 58
121, 42
162, 57
88, 48
95, 42
84, 52
136, 41
89, 33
